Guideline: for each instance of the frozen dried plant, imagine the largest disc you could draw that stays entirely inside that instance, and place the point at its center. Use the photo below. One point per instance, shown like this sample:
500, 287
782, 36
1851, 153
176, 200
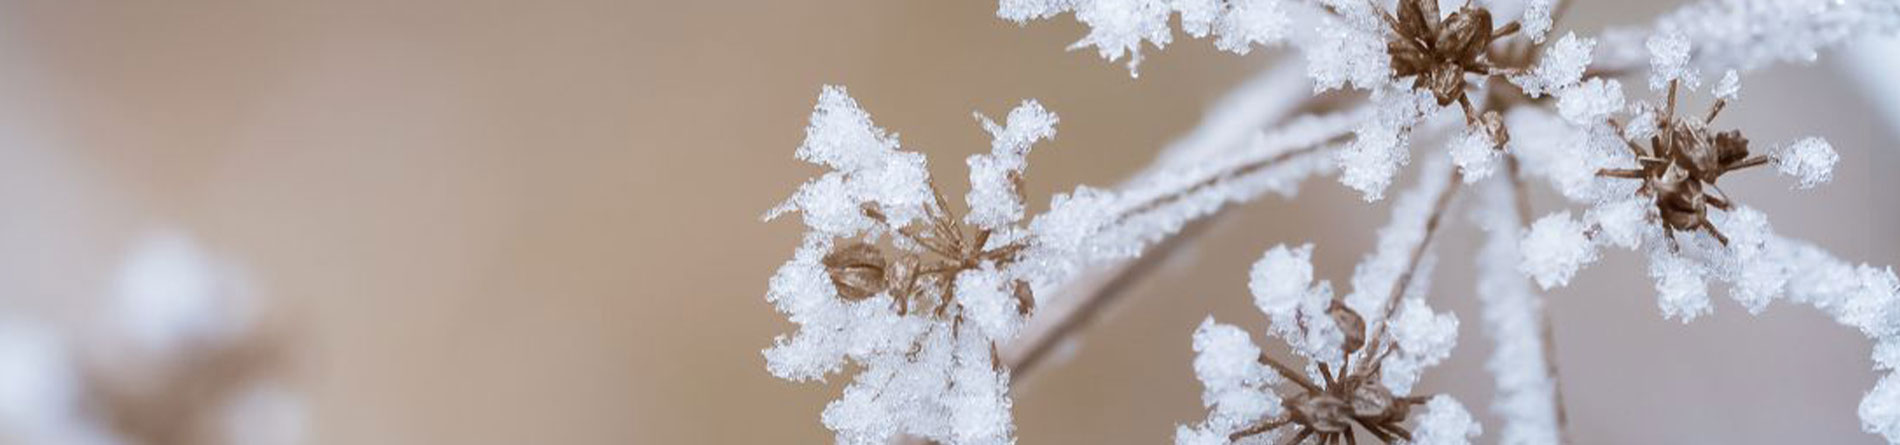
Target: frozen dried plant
932, 307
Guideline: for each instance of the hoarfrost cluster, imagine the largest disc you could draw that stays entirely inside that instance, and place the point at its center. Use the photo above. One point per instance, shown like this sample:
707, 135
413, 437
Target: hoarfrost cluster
916, 297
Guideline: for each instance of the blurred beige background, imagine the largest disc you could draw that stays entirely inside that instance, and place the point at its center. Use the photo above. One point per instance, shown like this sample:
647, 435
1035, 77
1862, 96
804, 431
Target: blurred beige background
537, 222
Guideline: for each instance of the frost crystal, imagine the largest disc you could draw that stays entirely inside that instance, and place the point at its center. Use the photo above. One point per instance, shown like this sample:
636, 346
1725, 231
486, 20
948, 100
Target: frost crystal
1476, 154
1669, 61
1563, 65
1118, 27
1445, 422
1554, 248
1810, 160
1729, 86
995, 177
1283, 289
1590, 102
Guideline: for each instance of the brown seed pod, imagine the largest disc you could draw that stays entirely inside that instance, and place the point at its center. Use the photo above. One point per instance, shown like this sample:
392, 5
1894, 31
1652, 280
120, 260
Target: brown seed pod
1440, 52
857, 270
1349, 321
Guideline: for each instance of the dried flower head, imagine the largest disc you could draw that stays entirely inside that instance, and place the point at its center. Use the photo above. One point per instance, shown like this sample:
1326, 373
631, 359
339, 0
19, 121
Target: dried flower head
1438, 53
1680, 165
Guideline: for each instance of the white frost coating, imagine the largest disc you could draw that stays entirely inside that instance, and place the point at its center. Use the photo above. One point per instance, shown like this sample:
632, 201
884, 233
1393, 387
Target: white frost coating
1554, 248
1669, 60
1445, 422
1729, 87
1880, 409
1090, 225
1682, 289
1513, 318
1749, 34
1119, 27
1348, 49
1809, 160
1283, 289
1569, 156
1537, 19
866, 165
1282, 279
1476, 154
1591, 102
1236, 386
1374, 279
1423, 338
989, 302
993, 198
1622, 223
1759, 278
1381, 144
1563, 65
918, 374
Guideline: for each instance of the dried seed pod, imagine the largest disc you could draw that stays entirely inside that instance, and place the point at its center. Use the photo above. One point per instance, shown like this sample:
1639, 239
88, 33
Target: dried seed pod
1025, 298
857, 270
1320, 411
1349, 321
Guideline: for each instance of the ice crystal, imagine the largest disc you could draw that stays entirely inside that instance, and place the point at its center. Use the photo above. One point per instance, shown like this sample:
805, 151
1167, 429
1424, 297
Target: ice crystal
1120, 27
1810, 160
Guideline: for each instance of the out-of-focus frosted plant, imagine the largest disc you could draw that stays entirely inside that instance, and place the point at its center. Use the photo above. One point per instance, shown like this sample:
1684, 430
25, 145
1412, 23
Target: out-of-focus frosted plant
918, 298
179, 361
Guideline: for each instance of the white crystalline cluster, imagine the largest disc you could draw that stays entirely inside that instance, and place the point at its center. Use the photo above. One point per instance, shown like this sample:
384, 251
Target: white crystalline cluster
994, 177
1569, 156
1555, 247
1730, 87
1382, 143
920, 375
1562, 65
1810, 160
1283, 289
1423, 338
1235, 383
1669, 61
1348, 49
1120, 27
866, 168
1589, 103
1445, 422
1476, 154
1537, 18
1513, 318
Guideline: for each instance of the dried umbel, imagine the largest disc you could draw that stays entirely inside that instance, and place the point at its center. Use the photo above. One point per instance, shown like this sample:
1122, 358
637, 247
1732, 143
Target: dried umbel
1328, 409
1439, 53
1681, 164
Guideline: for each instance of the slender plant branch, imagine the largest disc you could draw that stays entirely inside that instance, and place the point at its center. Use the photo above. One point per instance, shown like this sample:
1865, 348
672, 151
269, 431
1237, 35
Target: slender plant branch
1546, 333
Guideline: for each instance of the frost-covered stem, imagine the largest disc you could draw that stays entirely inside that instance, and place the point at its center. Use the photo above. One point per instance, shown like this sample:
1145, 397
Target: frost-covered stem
1228, 127
1521, 200
1239, 171
1037, 346
1411, 265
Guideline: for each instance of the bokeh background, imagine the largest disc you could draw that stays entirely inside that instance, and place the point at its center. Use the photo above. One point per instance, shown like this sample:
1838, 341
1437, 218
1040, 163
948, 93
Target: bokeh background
485, 222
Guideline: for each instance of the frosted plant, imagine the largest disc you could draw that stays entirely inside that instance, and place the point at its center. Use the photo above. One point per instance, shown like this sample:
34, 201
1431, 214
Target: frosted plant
1329, 330
937, 311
